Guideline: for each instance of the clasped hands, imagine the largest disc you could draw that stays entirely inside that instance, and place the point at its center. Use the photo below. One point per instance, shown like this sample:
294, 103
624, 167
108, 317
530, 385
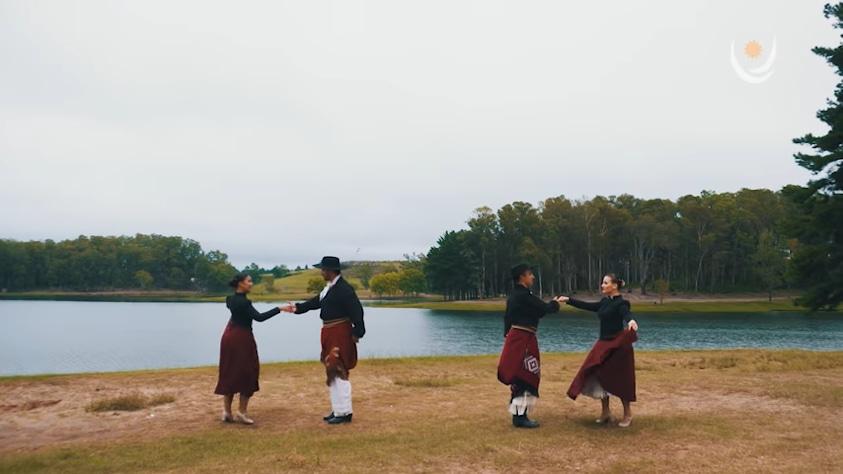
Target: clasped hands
291, 307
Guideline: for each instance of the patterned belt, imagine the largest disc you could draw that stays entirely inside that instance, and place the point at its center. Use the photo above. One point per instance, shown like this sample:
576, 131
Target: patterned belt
335, 322
524, 328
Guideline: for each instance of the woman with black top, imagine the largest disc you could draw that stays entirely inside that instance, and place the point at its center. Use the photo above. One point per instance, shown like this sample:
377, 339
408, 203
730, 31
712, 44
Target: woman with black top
239, 364
609, 368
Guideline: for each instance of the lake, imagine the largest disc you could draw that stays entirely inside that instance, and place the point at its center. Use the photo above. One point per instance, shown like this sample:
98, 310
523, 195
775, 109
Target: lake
72, 336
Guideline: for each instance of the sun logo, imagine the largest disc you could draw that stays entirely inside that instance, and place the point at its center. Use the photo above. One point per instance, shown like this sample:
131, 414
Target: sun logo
752, 50
754, 74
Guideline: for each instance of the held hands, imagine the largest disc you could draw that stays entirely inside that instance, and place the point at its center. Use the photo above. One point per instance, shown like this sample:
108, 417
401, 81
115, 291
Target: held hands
561, 299
290, 307
633, 325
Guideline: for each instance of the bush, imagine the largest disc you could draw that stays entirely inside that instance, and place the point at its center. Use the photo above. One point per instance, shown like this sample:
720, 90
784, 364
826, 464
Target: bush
144, 279
411, 281
315, 284
385, 284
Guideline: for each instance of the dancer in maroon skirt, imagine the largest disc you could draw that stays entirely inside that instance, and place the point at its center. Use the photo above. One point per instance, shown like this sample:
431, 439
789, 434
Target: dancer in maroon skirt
239, 364
519, 365
609, 368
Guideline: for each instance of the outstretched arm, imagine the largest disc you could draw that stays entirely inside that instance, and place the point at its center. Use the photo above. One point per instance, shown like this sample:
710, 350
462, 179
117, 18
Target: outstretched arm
305, 306
586, 305
551, 306
261, 317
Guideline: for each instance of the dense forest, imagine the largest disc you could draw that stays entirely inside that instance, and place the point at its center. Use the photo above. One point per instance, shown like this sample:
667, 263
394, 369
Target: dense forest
103, 263
712, 242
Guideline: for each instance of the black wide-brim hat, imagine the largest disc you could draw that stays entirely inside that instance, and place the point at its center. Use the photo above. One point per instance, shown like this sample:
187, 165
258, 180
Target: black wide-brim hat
329, 263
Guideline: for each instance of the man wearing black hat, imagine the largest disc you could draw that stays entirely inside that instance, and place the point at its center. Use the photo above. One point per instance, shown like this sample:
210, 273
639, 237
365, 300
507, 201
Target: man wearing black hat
342, 326
519, 365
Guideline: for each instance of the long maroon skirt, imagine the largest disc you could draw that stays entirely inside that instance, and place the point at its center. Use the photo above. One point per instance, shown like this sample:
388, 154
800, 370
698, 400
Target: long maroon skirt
612, 361
520, 361
239, 364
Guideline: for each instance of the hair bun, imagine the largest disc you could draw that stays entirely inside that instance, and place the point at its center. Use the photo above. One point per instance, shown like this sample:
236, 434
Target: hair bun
621, 283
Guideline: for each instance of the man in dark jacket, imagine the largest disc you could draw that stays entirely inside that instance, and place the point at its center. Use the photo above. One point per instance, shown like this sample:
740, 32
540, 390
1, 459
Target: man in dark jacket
342, 327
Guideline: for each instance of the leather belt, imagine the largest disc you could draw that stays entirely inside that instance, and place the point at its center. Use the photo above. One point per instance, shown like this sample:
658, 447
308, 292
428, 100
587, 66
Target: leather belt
335, 322
524, 328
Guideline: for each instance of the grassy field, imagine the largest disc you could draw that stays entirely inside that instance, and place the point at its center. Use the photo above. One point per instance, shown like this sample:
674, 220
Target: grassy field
294, 287
711, 411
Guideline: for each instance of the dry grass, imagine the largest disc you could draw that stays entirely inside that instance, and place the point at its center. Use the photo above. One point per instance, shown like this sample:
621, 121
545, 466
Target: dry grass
129, 402
698, 411
426, 382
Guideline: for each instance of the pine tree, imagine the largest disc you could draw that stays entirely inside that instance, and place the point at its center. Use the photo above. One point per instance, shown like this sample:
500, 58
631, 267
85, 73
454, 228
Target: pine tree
818, 226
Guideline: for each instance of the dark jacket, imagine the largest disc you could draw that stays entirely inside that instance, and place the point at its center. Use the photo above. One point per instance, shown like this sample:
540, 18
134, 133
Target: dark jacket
242, 311
614, 313
523, 308
340, 302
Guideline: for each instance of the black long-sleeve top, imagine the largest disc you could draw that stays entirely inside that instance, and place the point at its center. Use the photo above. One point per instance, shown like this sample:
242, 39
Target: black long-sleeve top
614, 312
523, 308
242, 311
340, 302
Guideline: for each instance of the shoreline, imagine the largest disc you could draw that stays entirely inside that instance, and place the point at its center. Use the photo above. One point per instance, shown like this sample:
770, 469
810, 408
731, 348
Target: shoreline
683, 305
716, 303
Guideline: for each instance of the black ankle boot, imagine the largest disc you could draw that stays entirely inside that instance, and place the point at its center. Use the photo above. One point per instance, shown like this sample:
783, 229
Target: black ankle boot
521, 421
336, 420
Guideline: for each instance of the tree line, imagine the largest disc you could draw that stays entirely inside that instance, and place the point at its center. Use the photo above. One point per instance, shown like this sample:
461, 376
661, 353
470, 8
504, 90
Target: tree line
712, 242
125, 262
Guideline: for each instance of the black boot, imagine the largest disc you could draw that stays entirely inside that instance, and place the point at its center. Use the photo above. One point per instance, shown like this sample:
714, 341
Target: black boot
336, 420
521, 421
328, 417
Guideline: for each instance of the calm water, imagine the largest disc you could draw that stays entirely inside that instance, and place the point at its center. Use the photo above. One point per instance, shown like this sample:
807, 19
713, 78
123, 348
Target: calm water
69, 336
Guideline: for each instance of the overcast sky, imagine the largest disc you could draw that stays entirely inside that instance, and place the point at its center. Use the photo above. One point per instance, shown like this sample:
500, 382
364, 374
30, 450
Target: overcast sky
282, 131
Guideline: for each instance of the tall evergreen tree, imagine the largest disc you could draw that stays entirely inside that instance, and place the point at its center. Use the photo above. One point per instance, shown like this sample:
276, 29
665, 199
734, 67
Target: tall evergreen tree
818, 224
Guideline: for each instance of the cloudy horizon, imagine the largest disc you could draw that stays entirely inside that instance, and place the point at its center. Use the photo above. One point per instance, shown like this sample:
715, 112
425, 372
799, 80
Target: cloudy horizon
279, 132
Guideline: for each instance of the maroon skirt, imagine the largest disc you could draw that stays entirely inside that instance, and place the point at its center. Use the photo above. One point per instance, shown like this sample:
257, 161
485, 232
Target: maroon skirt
239, 364
520, 362
612, 361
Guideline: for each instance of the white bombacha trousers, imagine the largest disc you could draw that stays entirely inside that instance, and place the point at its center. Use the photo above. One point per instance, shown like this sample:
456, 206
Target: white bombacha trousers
520, 404
340, 391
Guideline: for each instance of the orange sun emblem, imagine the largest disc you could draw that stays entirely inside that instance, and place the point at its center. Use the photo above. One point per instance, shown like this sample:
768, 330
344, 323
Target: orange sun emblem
752, 49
